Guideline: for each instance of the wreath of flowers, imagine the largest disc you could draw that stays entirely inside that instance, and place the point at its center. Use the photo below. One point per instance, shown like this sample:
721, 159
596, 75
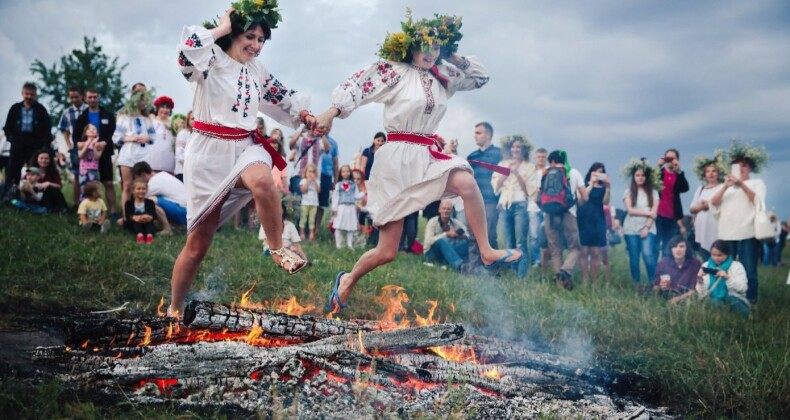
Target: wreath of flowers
132, 106
718, 160
746, 150
442, 31
177, 122
165, 101
508, 140
248, 12
637, 164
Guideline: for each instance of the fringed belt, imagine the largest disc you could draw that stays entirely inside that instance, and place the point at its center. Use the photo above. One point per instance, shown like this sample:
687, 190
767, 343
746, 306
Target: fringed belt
238, 134
431, 141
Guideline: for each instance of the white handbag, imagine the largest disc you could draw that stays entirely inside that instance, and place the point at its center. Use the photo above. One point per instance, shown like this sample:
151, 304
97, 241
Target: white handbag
763, 228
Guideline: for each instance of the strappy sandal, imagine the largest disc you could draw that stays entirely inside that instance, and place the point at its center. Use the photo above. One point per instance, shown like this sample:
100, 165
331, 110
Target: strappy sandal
295, 263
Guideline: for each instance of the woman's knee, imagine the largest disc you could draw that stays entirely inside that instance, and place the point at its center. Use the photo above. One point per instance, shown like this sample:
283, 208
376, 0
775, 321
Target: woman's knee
261, 187
462, 183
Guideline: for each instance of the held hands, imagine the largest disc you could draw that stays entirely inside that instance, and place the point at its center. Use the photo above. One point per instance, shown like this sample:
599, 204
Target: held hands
324, 120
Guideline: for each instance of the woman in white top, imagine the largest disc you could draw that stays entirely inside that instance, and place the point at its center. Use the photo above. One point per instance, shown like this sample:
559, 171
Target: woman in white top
639, 230
161, 155
181, 144
735, 205
410, 171
133, 135
515, 191
225, 164
706, 228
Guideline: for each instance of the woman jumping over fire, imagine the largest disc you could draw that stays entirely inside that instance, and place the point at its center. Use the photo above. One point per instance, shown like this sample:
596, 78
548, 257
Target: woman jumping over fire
410, 171
226, 164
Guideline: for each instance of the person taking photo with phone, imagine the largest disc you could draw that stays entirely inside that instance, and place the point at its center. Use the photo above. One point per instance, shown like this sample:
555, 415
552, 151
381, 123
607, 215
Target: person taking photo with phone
446, 241
670, 209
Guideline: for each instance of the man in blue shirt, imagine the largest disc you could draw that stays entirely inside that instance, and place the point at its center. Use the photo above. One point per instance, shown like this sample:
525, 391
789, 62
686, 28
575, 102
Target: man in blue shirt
65, 126
329, 174
487, 153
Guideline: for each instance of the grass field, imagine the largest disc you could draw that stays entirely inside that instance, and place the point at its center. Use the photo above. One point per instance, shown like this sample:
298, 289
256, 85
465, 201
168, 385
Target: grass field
702, 361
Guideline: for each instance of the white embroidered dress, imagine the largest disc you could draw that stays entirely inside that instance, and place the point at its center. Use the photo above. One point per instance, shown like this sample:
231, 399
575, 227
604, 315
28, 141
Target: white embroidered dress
405, 177
133, 152
229, 94
161, 156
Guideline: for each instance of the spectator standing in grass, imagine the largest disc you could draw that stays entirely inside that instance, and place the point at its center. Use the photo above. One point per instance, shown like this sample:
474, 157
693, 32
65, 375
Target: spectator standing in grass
710, 172
104, 120
161, 153
329, 168
488, 153
89, 151
670, 209
134, 134
676, 273
592, 221
92, 210
538, 254
280, 176
28, 129
727, 282
344, 209
310, 185
66, 127
639, 230
369, 154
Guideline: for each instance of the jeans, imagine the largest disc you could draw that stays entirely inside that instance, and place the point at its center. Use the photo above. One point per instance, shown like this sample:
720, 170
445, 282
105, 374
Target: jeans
515, 227
173, 211
745, 251
492, 217
409, 234
450, 251
666, 228
646, 247
535, 224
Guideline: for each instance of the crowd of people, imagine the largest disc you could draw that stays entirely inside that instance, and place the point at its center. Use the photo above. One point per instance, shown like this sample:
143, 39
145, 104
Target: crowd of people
219, 161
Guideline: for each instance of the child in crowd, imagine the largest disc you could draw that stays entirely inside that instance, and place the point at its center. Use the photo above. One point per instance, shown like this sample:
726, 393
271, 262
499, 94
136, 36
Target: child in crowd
92, 210
140, 213
290, 236
30, 194
344, 209
728, 285
310, 187
89, 150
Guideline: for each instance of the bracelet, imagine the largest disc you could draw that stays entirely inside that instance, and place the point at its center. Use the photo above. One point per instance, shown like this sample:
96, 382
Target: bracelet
303, 116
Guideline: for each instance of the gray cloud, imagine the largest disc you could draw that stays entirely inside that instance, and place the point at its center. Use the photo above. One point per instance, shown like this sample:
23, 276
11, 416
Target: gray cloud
606, 80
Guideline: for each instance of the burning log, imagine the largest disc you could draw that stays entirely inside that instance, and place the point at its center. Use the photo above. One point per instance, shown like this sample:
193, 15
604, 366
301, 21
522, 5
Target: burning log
110, 332
218, 317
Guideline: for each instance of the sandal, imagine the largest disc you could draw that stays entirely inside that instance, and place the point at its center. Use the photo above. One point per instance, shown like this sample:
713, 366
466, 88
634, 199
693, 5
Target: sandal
504, 260
334, 305
295, 263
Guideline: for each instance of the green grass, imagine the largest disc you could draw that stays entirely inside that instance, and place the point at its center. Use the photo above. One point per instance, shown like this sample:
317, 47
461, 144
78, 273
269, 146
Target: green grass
702, 361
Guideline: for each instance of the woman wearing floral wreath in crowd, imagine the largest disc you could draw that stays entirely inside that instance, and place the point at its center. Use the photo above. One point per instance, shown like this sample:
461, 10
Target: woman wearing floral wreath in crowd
226, 164
706, 230
161, 155
410, 171
134, 133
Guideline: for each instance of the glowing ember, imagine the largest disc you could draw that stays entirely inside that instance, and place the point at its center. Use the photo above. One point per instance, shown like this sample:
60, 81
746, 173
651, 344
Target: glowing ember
85, 344
159, 311
361, 346
146, 337
170, 331
392, 299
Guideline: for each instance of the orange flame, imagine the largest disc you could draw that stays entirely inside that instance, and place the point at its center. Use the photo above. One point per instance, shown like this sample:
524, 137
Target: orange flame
159, 312
292, 307
170, 331
493, 374
255, 334
85, 344
245, 298
428, 320
392, 299
456, 353
361, 346
146, 337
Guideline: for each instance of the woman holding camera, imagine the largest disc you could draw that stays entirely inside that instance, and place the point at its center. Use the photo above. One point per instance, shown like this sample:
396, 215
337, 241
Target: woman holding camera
591, 220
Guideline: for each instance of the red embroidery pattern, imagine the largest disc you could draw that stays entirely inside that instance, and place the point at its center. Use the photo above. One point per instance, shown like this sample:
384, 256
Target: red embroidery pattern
183, 61
276, 91
193, 41
385, 75
239, 84
427, 82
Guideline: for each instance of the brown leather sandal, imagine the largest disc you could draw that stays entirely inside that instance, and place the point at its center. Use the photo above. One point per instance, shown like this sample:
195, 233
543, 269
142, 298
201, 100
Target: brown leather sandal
294, 262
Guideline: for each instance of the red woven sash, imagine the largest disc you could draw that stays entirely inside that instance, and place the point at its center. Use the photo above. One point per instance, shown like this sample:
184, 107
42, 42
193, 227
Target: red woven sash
431, 141
237, 134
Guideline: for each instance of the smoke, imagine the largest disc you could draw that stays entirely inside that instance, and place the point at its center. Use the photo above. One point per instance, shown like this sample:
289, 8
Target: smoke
214, 287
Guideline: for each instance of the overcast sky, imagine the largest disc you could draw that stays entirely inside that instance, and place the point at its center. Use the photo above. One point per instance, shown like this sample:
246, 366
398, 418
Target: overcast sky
605, 80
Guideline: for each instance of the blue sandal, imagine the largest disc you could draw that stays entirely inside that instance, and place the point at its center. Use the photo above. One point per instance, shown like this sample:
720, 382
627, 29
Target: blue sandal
503, 260
334, 305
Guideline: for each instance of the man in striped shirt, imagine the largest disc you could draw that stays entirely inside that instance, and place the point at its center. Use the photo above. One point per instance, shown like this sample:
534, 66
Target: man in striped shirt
66, 127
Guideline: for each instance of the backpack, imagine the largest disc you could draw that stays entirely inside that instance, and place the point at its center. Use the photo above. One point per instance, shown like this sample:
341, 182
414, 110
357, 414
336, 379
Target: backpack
555, 197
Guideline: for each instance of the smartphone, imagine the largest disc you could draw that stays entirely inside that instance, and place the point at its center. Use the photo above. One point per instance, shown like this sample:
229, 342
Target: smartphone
735, 170
711, 271
602, 176
459, 231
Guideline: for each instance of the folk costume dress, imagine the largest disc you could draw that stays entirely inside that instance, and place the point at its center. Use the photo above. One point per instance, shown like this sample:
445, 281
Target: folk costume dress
407, 176
133, 152
344, 199
228, 96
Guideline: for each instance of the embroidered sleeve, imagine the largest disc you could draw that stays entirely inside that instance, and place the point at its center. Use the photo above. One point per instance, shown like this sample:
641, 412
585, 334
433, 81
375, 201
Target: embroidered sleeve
120, 131
196, 53
468, 76
371, 84
276, 100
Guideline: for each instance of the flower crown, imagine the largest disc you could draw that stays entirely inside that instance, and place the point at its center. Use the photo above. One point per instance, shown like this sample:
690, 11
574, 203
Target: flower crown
718, 160
508, 140
442, 31
248, 12
132, 106
177, 122
165, 101
739, 151
636, 164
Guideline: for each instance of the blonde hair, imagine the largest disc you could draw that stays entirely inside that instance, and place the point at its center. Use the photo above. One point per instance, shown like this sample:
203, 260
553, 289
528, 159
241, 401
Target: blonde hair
310, 166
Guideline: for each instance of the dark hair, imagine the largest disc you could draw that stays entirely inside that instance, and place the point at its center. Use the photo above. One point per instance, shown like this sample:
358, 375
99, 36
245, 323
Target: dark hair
237, 29
90, 189
138, 84
721, 246
678, 239
744, 159
487, 127
340, 173
141, 168
140, 180
557, 156
634, 189
677, 154
29, 86
380, 134
51, 171
75, 89
595, 166
92, 90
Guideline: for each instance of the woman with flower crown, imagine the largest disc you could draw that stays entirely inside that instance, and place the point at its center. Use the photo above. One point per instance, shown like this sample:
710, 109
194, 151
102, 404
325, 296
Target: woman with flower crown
410, 171
225, 164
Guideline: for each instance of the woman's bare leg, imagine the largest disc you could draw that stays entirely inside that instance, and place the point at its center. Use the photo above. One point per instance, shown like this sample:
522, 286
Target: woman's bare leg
585, 263
463, 184
383, 253
595, 263
188, 261
127, 180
